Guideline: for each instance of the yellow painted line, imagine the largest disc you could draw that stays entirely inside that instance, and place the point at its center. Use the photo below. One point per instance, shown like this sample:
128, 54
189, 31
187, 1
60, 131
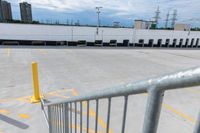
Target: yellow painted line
85, 129
58, 95
186, 117
24, 116
93, 113
74, 92
57, 91
44, 52
27, 98
194, 91
4, 112
64, 90
4, 100
15, 99
77, 127
8, 52
180, 114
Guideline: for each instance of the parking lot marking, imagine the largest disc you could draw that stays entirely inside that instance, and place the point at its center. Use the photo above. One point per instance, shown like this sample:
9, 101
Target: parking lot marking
8, 52
93, 113
194, 91
186, 117
58, 95
24, 116
26, 99
44, 52
180, 114
85, 129
4, 112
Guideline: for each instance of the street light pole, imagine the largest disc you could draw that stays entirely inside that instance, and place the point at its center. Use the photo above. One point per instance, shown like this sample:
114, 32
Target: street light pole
98, 18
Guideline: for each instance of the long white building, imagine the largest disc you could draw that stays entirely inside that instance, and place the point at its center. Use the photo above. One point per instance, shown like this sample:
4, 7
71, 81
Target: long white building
64, 34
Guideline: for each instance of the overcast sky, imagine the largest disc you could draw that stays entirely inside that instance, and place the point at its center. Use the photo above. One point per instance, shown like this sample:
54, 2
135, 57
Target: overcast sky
124, 11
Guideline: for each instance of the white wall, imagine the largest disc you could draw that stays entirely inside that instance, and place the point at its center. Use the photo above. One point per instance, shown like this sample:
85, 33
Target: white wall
165, 34
73, 33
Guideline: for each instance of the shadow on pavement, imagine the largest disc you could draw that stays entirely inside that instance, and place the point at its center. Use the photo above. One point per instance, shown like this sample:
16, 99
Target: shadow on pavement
13, 122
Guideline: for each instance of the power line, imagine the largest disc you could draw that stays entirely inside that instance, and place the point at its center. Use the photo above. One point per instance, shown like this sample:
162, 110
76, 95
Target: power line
174, 18
167, 20
157, 15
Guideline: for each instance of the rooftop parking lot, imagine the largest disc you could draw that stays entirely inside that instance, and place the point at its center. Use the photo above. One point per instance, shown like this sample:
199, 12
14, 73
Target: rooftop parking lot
67, 72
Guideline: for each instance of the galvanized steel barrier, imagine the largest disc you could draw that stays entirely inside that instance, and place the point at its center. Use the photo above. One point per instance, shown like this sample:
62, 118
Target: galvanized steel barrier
59, 116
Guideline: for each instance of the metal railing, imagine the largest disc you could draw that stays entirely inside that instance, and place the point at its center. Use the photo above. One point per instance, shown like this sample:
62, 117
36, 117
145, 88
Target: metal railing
59, 116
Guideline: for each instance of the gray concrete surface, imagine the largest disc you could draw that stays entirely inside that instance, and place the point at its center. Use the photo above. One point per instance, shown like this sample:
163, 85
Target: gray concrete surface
66, 71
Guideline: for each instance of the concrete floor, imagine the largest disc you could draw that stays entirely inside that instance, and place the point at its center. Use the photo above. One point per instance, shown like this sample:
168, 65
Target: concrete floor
65, 71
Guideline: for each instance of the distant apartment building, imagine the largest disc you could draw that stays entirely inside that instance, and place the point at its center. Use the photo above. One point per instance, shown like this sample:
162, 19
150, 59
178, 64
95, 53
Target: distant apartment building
182, 27
142, 24
116, 24
1, 12
26, 12
5, 11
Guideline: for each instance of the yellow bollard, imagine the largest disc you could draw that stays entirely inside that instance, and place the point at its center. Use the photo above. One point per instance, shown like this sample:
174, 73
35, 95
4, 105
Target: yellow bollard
36, 97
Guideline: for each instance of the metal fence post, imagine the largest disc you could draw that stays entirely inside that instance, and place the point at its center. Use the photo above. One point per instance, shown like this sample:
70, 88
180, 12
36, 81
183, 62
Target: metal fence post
66, 119
153, 110
50, 118
197, 128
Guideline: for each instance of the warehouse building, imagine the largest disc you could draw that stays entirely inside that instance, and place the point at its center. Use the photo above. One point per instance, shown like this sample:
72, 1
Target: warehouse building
182, 27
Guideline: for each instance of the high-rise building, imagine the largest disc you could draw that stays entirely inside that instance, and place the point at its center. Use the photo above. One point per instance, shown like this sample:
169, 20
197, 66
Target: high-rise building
6, 10
26, 12
1, 12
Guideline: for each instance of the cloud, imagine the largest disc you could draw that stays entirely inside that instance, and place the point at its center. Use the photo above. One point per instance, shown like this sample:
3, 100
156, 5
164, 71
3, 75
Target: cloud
138, 9
124, 6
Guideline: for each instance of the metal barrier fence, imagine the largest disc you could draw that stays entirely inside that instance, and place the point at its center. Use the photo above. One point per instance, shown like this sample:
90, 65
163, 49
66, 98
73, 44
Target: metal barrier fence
59, 116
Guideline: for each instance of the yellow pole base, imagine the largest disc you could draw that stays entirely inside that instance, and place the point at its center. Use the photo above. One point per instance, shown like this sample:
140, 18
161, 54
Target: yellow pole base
33, 100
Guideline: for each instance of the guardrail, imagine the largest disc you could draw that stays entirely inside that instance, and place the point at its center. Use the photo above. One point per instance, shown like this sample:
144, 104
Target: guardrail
60, 120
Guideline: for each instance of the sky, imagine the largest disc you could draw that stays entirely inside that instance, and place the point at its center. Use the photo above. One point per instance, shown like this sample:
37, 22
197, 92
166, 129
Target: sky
123, 11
